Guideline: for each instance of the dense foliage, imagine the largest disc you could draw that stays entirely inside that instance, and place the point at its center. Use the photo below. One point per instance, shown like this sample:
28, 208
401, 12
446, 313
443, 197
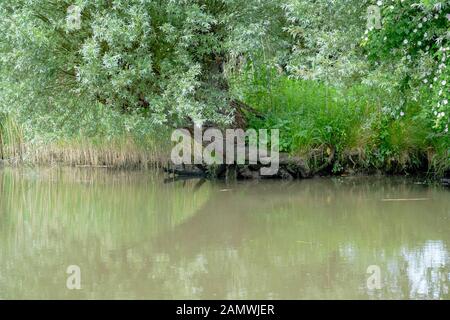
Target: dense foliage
163, 58
417, 36
325, 39
316, 69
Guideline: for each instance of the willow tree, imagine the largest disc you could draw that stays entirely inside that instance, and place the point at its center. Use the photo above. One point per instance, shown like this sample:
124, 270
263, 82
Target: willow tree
163, 59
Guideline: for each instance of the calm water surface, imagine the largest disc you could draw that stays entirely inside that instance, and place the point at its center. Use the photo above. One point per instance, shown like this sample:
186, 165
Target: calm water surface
136, 237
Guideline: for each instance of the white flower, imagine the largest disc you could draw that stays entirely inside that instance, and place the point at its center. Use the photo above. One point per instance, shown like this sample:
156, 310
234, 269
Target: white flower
444, 82
379, 3
445, 102
405, 41
402, 114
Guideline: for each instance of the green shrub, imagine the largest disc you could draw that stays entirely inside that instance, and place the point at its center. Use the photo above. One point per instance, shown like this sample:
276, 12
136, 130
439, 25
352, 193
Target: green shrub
366, 126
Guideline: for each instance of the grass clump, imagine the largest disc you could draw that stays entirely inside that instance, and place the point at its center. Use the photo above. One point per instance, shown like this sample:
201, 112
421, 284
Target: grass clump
82, 140
355, 128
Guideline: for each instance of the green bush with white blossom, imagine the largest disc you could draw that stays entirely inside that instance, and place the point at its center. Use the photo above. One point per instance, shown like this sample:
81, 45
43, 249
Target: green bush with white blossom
416, 34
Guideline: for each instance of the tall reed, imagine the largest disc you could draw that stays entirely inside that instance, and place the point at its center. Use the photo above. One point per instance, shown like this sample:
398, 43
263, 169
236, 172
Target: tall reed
11, 139
125, 151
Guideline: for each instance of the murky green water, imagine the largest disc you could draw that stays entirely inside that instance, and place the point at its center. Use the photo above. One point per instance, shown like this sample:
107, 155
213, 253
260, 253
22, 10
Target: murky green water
134, 236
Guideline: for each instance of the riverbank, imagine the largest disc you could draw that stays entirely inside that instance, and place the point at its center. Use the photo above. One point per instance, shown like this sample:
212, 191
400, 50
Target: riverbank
323, 131
112, 148
123, 153
128, 152
129, 156
360, 128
